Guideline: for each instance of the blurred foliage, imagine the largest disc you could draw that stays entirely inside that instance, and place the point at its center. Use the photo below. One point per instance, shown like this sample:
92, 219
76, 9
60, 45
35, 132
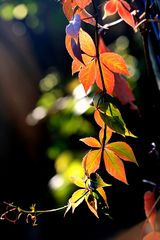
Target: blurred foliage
67, 113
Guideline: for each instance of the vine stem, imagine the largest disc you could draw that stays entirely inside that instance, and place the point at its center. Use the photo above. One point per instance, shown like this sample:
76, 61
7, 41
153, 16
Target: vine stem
97, 45
100, 68
35, 211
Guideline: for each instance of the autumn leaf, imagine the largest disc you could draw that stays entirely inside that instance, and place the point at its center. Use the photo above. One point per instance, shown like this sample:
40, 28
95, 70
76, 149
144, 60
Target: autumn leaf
122, 7
122, 91
86, 43
68, 8
114, 166
89, 72
150, 211
87, 192
152, 236
123, 151
114, 62
91, 141
91, 161
83, 3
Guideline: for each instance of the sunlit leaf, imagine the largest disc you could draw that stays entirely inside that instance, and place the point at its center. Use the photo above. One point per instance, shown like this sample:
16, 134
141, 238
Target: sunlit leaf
108, 78
103, 195
91, 161
76, 66
114, 62
78, 181
125, 14
149, 200
100, 182
87, 75
108, 134
114, 166
83, 4
86, 43
92, 142
122, 150
86, 17
68, 8
92, 204
110, 8
152, 236
114, 122
98, 118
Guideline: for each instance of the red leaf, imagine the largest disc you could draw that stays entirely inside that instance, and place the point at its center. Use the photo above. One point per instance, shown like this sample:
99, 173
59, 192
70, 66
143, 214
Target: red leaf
125, 14
86, 43
110, 8
87, 75
149, 200
91, 161
114, 62
123, 92
92, 142
83, 3
114, 166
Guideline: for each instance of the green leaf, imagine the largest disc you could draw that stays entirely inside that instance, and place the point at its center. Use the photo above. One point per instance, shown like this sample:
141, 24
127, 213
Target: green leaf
100, 182
114, 122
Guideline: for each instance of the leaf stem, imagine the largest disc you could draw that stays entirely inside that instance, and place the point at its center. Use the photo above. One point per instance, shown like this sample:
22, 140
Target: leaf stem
97, 45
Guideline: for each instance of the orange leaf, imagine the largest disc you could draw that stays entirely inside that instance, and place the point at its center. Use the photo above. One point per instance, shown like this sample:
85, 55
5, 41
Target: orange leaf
86, 17
122, 150
68, 8
125, 14
76, 66
87, 75
92, 204
98, 119
83, 3
114, 62
92, 142
91, 161
152, 236
86, 43
149, 200
108, 77
108, 134
114, 166
69, 46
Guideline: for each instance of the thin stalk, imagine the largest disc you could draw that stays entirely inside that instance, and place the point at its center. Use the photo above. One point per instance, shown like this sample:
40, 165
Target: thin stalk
100, 69
97, 45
